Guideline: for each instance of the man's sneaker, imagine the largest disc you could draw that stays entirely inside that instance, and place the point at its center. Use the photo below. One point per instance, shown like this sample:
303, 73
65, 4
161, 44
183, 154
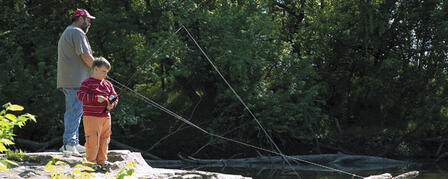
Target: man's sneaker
69, 150
80, 148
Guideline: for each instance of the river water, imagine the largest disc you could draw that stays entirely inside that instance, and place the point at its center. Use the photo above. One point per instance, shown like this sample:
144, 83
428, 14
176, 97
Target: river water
427, 170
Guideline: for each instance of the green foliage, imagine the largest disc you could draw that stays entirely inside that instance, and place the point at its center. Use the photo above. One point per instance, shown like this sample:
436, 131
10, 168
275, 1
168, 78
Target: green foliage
7, 123
57, 170
341, 73
16, 155
80, 171
127, 171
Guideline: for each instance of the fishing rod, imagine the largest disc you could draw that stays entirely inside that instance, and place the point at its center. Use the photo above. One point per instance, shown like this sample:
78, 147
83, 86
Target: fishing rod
173, 114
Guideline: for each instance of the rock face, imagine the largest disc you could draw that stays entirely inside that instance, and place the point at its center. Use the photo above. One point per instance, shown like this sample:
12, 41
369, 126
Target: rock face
34, 167
407, 175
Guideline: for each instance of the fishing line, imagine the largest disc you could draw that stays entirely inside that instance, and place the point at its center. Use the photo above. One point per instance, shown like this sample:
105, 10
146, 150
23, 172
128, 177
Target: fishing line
239, 98
156, 51
160, 107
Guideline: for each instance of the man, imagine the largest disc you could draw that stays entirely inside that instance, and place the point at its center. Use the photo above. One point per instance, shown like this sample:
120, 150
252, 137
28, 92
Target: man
74, 61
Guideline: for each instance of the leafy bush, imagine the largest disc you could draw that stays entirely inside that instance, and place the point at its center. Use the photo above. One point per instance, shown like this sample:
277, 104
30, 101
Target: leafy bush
16, 155
7, 123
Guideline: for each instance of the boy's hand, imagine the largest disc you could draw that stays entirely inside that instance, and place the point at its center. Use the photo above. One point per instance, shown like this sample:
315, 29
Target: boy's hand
109, 106
101, 99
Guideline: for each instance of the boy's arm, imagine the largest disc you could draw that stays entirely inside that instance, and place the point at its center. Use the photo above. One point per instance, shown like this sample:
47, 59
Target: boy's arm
84, 96
112, 92
114, 104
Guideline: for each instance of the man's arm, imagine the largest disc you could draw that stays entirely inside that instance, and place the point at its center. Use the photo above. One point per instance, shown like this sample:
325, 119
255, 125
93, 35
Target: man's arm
87, 58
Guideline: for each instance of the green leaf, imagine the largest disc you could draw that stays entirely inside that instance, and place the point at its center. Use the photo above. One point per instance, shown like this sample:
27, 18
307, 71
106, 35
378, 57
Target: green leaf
78, 166
30, 116
120, 175
2, 148
89, 169
12, 162
11, 117
60, 163
49, 163
15, 107
7, 141
3, 167
7, 105
130, 172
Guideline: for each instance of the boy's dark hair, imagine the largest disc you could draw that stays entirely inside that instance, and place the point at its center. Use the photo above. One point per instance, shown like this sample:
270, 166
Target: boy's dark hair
101, 62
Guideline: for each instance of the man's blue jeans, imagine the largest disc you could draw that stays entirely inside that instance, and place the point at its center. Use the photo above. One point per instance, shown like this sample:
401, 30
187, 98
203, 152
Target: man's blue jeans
72, 116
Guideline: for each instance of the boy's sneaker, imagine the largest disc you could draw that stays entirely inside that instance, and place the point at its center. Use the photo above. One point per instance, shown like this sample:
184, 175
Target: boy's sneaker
103, 168
96, 167
80, 148
68, 150
106, 165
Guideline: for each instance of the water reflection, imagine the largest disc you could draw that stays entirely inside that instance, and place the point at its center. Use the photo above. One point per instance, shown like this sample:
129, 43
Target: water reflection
427, 170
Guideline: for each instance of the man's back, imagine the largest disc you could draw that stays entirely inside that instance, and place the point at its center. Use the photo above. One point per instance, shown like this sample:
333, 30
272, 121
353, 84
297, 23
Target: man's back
71, 69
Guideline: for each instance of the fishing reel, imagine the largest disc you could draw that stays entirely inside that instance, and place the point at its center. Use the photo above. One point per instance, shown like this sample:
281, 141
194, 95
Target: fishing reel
111, 100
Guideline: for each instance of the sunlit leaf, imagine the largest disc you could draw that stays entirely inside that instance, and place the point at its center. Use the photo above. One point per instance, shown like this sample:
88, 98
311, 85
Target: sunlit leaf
60, 163
7, 141
50, 168
2, 148
78, 166
49, 163
130, 164
89, 163
3, 167
12, 162
89, 169
30, 116
11, 117
15, 107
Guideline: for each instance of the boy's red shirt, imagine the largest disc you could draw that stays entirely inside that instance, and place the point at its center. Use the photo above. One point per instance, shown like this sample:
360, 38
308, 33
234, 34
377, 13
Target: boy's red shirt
88, 93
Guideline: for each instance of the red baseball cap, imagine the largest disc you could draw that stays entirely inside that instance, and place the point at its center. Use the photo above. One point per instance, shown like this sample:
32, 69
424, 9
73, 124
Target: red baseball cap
82, 12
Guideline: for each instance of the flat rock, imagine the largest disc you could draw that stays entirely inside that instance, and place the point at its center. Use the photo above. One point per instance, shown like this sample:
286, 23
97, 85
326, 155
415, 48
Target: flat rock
34, 167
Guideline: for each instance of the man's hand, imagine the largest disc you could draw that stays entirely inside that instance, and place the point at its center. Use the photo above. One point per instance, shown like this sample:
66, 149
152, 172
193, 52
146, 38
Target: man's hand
101, 99
87, 59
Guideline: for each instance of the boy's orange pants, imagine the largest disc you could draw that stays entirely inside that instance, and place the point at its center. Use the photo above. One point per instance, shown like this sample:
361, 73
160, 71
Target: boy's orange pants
97, 131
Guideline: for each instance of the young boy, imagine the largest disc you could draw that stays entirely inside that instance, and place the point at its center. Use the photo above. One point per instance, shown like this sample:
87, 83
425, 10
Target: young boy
98, 98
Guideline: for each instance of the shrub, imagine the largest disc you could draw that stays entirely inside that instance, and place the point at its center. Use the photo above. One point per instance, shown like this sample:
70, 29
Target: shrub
7, 123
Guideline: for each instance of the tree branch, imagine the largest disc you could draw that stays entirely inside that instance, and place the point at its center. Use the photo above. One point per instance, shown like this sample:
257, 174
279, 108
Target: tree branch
37, 146
125, 146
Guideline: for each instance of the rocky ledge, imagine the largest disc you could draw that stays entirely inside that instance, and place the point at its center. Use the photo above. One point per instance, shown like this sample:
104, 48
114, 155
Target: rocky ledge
33, 167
